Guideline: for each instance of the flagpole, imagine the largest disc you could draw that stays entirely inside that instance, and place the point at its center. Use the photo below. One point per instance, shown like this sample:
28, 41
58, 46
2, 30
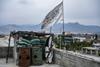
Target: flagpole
63, 32
63, 16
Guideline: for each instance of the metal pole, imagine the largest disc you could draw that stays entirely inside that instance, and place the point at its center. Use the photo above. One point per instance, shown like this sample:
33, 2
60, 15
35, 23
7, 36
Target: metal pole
62, 23
62, 36
8, 49
63, 16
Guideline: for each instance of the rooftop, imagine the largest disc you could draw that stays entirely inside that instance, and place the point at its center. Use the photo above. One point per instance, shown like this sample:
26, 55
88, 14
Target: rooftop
12, 64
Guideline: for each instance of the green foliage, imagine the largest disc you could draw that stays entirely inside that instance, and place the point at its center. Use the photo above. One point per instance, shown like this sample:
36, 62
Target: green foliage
73, 45
78, 45
57, 42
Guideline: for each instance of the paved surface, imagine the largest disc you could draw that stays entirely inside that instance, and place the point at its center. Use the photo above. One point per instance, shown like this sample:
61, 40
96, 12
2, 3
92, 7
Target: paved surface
12, 64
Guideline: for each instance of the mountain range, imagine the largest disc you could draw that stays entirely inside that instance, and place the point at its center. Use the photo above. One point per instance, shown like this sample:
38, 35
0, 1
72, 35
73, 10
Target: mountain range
68, 27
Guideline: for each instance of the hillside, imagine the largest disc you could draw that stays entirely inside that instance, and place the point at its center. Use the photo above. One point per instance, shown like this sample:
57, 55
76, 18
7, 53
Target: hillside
69, 27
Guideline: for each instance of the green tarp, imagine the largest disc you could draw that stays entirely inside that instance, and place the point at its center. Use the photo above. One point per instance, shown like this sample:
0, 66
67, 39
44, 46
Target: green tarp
25, 42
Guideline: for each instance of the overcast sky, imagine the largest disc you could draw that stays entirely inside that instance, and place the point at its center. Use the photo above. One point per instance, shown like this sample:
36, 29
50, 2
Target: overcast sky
85, 12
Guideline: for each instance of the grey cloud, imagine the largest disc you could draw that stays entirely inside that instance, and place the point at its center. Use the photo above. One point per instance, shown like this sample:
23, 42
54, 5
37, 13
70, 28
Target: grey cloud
34, 11
82, 9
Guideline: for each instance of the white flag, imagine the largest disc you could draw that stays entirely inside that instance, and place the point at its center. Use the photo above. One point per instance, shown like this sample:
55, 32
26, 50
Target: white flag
53, 16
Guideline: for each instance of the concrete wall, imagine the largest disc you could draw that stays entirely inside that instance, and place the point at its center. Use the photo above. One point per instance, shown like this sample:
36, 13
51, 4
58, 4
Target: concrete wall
62, 58
69, 60
3, 52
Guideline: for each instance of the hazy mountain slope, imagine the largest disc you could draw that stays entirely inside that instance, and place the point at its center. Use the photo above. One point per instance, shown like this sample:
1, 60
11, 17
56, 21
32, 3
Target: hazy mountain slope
69, 27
